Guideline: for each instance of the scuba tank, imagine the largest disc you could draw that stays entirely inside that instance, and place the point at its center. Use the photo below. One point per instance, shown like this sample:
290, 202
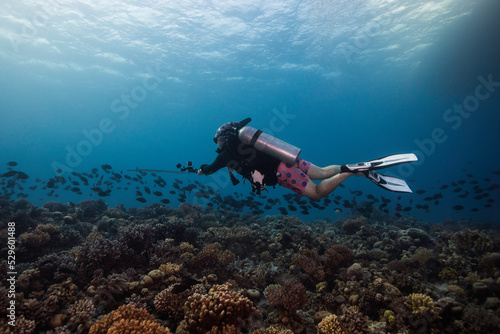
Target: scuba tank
268, 144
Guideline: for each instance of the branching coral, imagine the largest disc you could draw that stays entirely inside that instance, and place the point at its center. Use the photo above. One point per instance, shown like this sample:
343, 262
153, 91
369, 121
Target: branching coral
231, 234
421, 304
207, 256
171, 303
100, 253
354, 321
41, 236
81, 313
106, 291
138, 238
310, 262
330, 325
471, 242
128, 319
448, 274
272, 330
211, 256
220, 307
288, 298
336, 257
21, 326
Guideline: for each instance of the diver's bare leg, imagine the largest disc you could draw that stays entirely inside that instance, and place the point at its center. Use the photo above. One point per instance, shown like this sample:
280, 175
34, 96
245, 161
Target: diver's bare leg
325, 187
320, 173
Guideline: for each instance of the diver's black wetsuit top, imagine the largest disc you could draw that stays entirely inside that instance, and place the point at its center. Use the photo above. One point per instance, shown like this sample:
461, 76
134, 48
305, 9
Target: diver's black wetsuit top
244, 159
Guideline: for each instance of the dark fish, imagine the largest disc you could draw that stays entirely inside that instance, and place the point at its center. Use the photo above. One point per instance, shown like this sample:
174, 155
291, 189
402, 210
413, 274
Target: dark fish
493, 187
462, 182
106, 167
457, 190
347, 204
12, 163
283, 211
104, 193
444, 186
437, 196
458, 207
147, 190
165, 201
9, 174
141, 199
474, 210
138, 193
420, 192
172, 192
157, 193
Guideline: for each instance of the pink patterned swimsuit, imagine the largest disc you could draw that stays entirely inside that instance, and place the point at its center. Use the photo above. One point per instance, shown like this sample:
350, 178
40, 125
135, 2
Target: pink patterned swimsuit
294, 177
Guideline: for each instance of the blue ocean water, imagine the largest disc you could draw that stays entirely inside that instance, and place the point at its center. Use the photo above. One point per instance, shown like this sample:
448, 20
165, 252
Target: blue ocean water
146, 84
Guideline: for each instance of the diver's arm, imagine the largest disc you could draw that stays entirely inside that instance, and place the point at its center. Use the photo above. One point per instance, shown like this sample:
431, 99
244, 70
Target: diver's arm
220, 162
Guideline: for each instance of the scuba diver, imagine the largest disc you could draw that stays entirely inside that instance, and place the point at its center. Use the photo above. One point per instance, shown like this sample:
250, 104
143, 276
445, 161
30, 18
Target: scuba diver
266, 161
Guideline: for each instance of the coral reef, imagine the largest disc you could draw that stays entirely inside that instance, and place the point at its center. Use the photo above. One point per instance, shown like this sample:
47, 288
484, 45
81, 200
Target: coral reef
89, 268
128, 319
220, 309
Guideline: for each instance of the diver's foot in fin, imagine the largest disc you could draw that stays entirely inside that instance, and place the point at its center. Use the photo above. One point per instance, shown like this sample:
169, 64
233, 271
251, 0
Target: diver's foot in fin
388, 182
385, 162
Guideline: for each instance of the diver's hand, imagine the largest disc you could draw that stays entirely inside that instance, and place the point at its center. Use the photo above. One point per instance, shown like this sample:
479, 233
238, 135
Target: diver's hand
199, 171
